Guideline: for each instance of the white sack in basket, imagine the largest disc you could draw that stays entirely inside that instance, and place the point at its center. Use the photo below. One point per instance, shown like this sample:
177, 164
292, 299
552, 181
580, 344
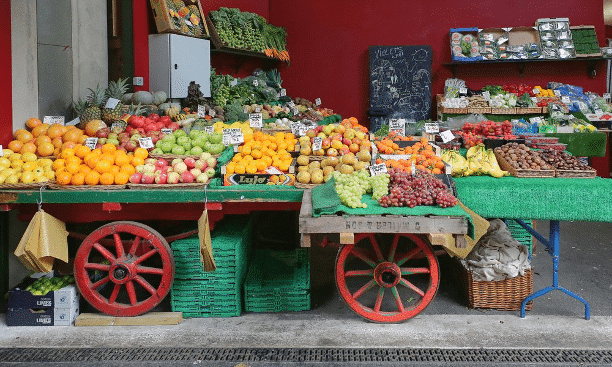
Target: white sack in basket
497, 255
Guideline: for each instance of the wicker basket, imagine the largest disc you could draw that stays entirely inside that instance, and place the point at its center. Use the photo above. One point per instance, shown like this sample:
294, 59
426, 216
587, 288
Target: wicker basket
505, 295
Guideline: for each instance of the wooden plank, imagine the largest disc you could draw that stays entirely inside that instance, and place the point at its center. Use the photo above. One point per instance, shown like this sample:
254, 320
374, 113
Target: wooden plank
460, 242
347, 238
306, 209
441, 239
305, 240
151, 318
383, 224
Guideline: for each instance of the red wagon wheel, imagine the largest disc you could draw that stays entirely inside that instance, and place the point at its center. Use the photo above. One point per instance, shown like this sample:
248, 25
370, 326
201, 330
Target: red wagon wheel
127, 276
390, 280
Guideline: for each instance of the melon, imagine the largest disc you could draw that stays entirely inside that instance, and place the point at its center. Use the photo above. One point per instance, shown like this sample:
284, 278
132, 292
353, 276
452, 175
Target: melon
159, 97
127, 98
143, 97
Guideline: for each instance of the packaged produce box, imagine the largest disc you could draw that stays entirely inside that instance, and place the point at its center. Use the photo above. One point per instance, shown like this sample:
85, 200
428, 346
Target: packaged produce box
181, 17
493, 43
524, 43
464, 44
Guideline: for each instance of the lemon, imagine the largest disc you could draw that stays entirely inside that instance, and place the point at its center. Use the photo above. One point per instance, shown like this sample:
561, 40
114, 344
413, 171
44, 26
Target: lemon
38, 171
29, 157
12, 179
17, 163
9, 171
42, 179
50, 175
14, 156
4, 162
27, 177
2, 178
44, 162
7, 152
29, 166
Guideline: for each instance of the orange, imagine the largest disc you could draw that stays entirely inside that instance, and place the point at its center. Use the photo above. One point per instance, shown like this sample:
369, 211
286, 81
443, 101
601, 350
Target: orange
40, 130
137, 161
84, 169
240, 168
108, 157
58, 163
15, 145
42, 139
24, 136
261, 165
103, 166
92, 178
82, 151
251, 168
122, 159
73, 159
72, 135
28, 147
68, 145
284, 166
230, 167
82, 139
97, 151
121, 178
63, 178
55, 131
73, 167
67, 152
128, 168
56, 152
57, 142
256, 153
115, 169
108, 149
107, 178
92, 162
237, 157
78, 179
141, 153
267, 159
32, 122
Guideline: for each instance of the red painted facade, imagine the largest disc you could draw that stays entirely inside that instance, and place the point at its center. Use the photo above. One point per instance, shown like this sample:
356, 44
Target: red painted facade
6, 91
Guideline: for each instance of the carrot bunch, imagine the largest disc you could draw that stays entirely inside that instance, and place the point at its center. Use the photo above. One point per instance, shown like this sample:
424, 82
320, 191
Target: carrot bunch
274, 53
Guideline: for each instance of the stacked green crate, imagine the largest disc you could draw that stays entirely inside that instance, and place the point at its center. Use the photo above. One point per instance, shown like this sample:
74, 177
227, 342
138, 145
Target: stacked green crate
521, 234
197, 293
278, 281
585, 41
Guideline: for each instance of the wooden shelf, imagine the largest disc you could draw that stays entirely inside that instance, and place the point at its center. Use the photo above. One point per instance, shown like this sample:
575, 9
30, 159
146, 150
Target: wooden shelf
592, 63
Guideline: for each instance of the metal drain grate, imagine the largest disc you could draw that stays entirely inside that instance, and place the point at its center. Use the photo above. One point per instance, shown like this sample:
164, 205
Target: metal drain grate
296, 355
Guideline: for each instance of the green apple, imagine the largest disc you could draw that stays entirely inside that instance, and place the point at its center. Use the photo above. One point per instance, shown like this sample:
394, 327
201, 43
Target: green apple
196, 150
182, 140
166, 146
171, 138
187, 146
194, 134
178, 150
179, 133
157, 151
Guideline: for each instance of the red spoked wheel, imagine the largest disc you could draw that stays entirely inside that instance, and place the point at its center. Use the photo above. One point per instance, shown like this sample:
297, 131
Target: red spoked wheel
387, 278
127, 276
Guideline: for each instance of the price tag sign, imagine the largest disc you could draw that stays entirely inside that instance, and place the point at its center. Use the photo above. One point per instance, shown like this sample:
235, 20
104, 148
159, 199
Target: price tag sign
283, 92
557, 92
318, 102
234, 82
463, 90
290, 104
273, 171
514, 122
227, 139
447, 136
565, 99
598, 111
534, 100
209, 129
235, 136
91, 143
166, 131
112, 103
119, 124
397, 126
74, 122
432, 127
212, 113
146, 143
538, 120
295, 111
256, 120
606, 96
316, 143
533, 120
378, 169
256, 82
487, 95
53, 120
295, 128
1, 151
303, 129
412, 168
201, 111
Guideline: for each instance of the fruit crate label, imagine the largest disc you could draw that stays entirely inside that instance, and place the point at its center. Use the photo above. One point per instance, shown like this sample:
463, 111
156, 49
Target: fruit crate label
256, 120
463, 90
316, 143
166, 131
566, 99
296, 128
432, 128
290, 104
112, 103
273, 170
209, 129
91, 143
53, 120
447, 136
378, 169
606, 96
318, 102
234, 82
74, 122
201, 111
212, 113
256, 82
1, 151
283, 92
146, 143
121, 125
557, 92
487, 95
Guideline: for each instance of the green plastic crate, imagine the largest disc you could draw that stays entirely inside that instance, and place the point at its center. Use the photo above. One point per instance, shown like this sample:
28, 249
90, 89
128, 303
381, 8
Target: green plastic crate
278, 281
521, 234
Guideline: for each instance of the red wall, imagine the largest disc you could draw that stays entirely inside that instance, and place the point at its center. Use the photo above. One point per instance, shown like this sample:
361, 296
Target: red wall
6, 92
328, 43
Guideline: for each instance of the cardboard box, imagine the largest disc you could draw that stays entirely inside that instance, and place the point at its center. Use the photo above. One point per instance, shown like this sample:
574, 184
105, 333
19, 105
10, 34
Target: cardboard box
167, 23
47, 316
63, 298
464, 31
523, 35
231, 179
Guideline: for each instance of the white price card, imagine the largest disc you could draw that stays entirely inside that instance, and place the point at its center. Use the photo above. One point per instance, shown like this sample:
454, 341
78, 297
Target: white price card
318, 102
53, 120
432, 127
212, 113
235, 136
234, 82
1, 151
295, 111
447, 136
290, 104
256, 82
303, 129
146, 143
201, 111
91, 143
538, 120
463, 90
378, 169
119, 124
283, 92
557, 92
166, 131
412, 168
566, 99
227, 139
112, 103
487, 95
317, 142
209, 129
397, 126
255, 120
533, 120
257, 109
295, 128
606, 96
598, 111
535, 91
74, 122
534, 100
273, 171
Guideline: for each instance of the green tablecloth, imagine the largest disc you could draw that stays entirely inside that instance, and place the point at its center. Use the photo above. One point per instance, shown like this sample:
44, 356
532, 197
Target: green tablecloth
584, 144
571, 199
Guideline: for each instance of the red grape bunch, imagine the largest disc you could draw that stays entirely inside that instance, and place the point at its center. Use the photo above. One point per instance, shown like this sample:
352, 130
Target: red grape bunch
422, 188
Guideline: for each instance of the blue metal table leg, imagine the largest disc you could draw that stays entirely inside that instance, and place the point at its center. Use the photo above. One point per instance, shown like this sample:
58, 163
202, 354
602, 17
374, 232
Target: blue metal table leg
552, 246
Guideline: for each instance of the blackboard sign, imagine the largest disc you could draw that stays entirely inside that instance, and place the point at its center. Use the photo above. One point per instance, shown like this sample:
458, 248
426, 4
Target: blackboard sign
400, 83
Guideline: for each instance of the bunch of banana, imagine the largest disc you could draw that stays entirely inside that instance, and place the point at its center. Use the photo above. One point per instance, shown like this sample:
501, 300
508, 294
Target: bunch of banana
456, 160
479, 161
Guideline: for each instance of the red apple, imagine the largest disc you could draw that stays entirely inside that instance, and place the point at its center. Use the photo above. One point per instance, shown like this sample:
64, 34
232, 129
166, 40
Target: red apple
195, 172
162, 178
189, 162
148, 178
135, 177
187, 177
173, 178
201, 164
161, 163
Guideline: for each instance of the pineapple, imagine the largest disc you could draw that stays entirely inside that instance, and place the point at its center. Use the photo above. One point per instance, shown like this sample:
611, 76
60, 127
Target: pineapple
95, 99
116, 89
